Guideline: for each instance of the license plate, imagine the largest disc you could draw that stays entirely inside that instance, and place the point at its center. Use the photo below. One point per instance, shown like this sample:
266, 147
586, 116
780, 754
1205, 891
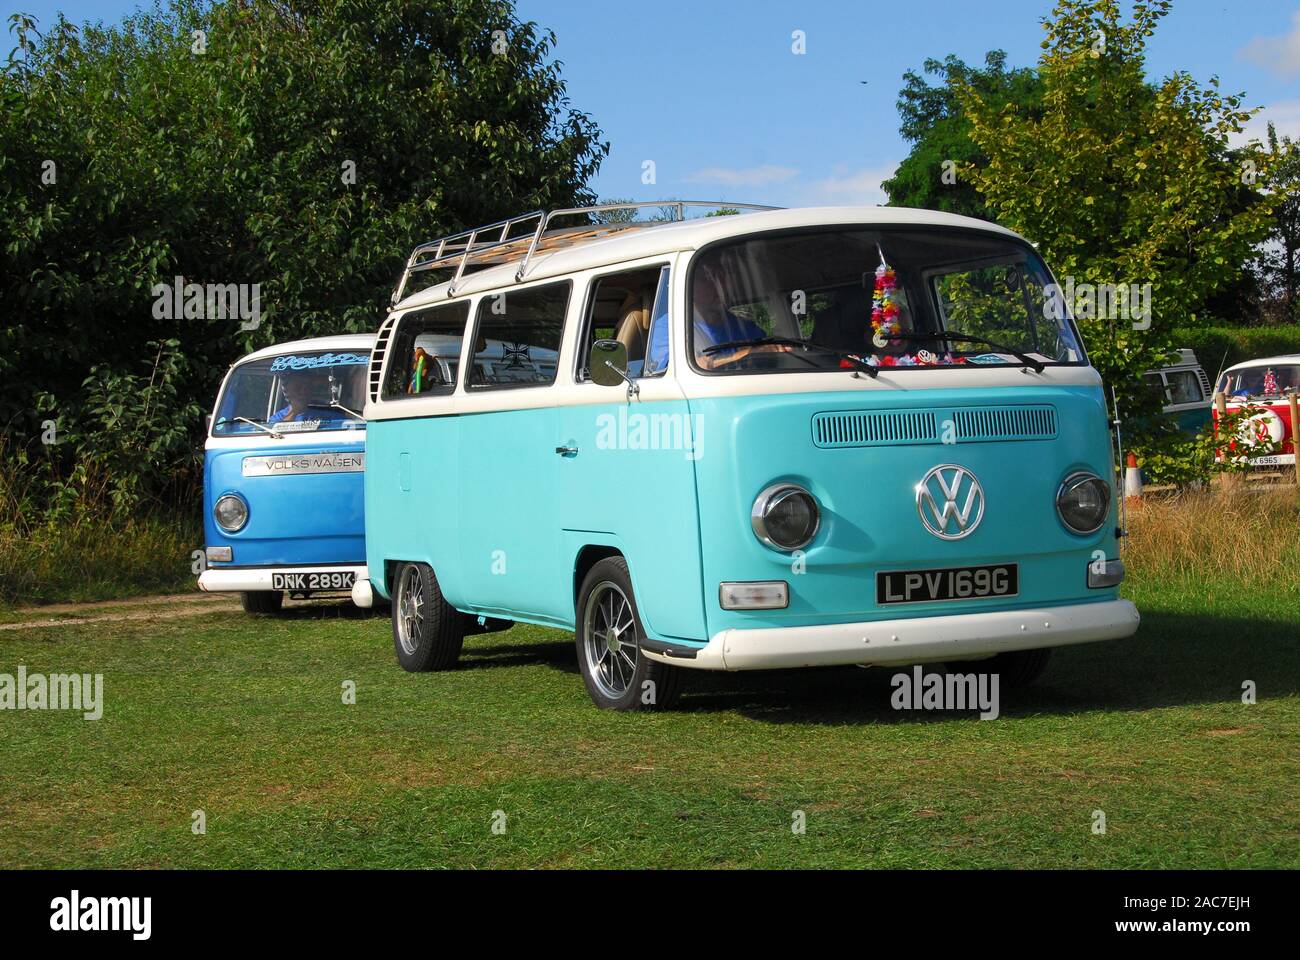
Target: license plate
947, 583
1270, 461
308, 582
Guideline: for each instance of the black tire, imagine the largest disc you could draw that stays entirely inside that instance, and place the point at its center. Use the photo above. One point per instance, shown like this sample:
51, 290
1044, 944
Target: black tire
267, 602
614, 680
427, 630
1017, 668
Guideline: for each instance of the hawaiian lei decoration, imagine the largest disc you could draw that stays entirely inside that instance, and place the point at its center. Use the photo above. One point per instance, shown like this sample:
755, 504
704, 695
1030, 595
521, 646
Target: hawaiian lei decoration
1270, 384
884, 303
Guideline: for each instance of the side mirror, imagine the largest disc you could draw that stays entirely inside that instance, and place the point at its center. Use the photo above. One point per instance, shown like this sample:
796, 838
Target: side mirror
607, 363
207, 423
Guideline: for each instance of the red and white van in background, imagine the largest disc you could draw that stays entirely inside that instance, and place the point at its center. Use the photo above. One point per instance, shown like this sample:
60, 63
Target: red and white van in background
1263, 385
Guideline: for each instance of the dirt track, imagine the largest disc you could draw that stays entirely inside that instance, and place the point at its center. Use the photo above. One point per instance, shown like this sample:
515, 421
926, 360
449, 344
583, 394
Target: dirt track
166, 607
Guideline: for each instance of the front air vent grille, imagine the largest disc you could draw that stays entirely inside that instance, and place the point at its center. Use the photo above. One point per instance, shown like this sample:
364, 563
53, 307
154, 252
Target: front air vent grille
863, 428
1005, 423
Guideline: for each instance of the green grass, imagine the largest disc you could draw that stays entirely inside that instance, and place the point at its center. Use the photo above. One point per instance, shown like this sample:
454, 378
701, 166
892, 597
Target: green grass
244, 719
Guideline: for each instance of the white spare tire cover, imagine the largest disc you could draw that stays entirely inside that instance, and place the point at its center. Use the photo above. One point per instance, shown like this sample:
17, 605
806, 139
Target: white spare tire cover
1263, 424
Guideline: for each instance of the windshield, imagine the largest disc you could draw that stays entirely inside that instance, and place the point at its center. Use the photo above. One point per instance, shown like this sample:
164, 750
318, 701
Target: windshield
819, 297
293, 393
1253, 382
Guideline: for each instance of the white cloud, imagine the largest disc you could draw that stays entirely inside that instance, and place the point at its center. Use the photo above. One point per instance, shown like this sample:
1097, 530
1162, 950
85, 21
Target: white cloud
853, 186
1285, 117
749, 177
1277, 55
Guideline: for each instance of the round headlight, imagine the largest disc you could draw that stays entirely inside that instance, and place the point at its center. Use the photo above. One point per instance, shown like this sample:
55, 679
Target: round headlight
1083, 502
785, 516
230, 512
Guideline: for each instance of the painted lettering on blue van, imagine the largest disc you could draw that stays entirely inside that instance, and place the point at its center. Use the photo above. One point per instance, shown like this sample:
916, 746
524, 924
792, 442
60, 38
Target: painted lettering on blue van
312, 363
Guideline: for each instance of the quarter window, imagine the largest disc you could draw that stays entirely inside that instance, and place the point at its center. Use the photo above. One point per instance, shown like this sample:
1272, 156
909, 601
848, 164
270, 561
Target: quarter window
426, 352
517, 337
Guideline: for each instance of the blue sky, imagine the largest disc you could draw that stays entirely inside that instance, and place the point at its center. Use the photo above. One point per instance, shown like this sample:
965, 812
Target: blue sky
712, 93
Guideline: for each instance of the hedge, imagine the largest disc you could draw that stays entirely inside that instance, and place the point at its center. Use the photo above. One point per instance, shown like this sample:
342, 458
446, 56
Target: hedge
1238, 343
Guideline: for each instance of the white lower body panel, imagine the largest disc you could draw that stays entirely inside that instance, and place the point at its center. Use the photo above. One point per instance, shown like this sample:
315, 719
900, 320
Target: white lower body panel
954, 637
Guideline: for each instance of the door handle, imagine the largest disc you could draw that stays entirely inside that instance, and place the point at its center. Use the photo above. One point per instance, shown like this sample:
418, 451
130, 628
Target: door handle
566, 451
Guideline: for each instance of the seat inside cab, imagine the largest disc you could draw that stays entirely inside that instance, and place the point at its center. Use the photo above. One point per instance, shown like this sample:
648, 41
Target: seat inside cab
620, 310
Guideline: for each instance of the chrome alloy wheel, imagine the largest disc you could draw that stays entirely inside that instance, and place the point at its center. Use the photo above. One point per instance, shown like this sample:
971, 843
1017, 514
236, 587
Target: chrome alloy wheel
410, 609
609, 639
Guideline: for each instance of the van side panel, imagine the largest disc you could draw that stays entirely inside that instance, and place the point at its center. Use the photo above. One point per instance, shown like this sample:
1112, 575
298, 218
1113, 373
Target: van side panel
631, 484
866, 486
412, 499
507, 508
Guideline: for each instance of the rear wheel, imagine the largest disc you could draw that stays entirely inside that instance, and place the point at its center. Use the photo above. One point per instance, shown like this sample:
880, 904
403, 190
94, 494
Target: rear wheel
617, 675
427, 630
262, 601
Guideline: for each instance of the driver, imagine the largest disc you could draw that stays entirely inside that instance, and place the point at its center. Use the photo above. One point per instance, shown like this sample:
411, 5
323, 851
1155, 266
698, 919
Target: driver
299, 389
714, 324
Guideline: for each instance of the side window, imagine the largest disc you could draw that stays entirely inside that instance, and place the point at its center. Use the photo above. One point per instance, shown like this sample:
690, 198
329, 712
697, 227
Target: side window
425, 352
1184, 386
517, 337
1156, 384
656, 361
621, 307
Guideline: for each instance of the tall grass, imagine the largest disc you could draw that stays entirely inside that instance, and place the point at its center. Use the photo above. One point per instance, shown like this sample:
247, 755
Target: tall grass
1246, 534
95, 559
62, 540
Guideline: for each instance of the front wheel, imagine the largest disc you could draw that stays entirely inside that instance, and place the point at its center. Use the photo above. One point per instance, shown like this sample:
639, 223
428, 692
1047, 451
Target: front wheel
427, 630
1016, 668
617, 675
262, 601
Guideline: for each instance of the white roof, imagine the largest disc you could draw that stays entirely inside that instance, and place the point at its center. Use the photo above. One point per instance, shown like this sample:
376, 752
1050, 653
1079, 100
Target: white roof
691, 235
1266, 361
347, 341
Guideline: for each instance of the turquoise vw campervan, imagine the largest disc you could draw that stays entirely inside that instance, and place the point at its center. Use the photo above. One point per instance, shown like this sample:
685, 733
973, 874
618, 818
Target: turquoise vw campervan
778, 438
282, 477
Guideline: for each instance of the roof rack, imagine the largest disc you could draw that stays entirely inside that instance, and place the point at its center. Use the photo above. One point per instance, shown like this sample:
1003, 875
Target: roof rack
507, 240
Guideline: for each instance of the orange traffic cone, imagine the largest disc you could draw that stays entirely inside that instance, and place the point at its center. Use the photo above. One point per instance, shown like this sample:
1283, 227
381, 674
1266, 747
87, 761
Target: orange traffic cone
1133, 479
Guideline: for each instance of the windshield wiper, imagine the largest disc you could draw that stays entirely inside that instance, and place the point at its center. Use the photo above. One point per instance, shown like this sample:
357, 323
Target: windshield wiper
265, 429
858, 362
1024, 358
755, 342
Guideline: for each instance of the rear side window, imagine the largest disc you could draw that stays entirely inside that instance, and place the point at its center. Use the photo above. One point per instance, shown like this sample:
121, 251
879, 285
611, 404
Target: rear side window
426, 352
517, 337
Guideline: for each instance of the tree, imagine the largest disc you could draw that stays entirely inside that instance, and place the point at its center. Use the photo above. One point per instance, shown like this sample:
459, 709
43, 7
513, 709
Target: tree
1279, 260
934, 123
301, 145
1122, 182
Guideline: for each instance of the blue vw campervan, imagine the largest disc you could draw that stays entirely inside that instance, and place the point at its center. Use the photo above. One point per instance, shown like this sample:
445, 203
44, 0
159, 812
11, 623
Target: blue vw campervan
282, 478
779, 438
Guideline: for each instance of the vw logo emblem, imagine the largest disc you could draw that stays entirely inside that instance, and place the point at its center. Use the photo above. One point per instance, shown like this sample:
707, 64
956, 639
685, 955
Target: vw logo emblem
950, 501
